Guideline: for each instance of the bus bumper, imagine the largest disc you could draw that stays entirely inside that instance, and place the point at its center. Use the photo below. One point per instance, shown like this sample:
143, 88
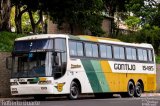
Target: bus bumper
32, 89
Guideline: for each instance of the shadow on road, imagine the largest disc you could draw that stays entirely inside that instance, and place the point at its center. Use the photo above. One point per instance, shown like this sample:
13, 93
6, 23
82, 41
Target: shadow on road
63, 98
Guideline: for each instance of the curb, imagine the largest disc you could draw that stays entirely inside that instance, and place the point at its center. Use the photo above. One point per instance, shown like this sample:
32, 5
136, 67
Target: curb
150, 94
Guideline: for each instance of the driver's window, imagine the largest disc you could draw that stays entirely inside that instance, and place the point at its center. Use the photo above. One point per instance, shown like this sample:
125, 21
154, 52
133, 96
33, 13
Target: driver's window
60, 68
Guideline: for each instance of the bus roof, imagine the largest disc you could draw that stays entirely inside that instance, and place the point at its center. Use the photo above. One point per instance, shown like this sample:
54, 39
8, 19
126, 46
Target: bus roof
83, 38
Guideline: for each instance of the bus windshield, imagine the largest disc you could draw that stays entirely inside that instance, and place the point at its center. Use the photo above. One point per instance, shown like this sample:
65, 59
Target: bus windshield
33, 45
39, 58
32, 65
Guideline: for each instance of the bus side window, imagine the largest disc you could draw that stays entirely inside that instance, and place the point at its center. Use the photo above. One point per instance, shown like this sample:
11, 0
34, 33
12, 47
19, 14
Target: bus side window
95, 50
88, 49
145, 55
131, 53
142, 54
75, 48
72, 48
118, 52
105, 51
79, 49
150, 55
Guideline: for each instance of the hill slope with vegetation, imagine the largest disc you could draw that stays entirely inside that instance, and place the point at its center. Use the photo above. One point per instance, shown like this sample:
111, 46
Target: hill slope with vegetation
7, 40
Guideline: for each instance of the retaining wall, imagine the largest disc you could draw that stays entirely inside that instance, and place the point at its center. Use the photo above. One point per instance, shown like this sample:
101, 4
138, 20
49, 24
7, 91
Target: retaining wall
4, 75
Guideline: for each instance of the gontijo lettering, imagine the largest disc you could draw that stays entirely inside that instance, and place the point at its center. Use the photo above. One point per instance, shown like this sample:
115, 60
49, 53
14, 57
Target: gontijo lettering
124, 66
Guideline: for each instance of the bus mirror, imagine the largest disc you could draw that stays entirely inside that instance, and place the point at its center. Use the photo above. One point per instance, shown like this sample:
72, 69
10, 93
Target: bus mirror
9, 63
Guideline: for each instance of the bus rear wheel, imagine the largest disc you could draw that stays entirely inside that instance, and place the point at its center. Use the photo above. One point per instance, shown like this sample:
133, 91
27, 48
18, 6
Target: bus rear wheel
138, 89
130, 90
74, 91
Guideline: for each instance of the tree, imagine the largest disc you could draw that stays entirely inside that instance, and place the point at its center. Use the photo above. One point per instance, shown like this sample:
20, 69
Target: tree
5, 9
133, 23
144, 9
20, 9
32, 20
31, 7
155, 18
86, 14
112, 6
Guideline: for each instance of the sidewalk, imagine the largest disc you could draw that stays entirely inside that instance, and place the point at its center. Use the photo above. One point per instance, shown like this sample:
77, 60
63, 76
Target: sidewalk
150, 94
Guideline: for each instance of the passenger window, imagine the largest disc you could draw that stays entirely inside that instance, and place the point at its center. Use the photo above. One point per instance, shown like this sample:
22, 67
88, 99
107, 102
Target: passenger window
131, 53
150, 56
145, 55
122, 53
79, 49
91, 50
95, 50
134, 54
88, 48
72, 48
118, 52
109, 52
103, 51
140, 54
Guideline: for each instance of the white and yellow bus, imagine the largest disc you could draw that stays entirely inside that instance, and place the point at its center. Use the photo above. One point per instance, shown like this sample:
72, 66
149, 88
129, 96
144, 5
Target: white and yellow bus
59, 64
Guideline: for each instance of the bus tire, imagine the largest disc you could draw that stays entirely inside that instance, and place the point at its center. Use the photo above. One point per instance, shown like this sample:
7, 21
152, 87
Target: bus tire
74, 91
130, 90
138, 89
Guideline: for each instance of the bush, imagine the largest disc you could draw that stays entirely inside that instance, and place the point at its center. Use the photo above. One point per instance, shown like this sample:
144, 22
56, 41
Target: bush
147, 35
7, 40
158, 59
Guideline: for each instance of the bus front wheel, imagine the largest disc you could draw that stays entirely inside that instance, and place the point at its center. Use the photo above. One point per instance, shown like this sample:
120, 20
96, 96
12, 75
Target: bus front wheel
138, 89
74, 91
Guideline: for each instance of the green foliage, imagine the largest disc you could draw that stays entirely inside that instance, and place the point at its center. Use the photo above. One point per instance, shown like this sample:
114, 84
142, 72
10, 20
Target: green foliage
26, 23
86, 14
7, 40
158, 59
145, 9
133, 22
147, 35
112, 6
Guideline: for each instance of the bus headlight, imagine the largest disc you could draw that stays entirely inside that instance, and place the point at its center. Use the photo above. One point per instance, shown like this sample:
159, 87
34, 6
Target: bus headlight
45, 82
13, 83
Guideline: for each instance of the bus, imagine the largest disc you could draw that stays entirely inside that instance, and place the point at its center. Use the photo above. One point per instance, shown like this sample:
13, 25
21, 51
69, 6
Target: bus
61, 64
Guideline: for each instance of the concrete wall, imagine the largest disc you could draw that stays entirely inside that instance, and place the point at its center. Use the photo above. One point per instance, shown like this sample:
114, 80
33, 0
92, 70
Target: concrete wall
158, 77
4, 76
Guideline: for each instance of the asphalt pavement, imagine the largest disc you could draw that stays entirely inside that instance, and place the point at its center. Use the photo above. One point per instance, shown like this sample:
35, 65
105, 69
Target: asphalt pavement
151, 99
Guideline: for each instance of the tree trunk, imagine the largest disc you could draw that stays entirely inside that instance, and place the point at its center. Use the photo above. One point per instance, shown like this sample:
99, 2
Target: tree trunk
18, 18
32, 21
5, 9
33, 24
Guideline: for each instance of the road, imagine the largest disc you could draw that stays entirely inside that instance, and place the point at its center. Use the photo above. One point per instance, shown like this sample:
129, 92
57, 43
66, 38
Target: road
87, 101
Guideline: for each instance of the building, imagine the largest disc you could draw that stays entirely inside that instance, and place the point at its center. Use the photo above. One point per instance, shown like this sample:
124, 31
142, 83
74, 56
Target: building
65, 28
